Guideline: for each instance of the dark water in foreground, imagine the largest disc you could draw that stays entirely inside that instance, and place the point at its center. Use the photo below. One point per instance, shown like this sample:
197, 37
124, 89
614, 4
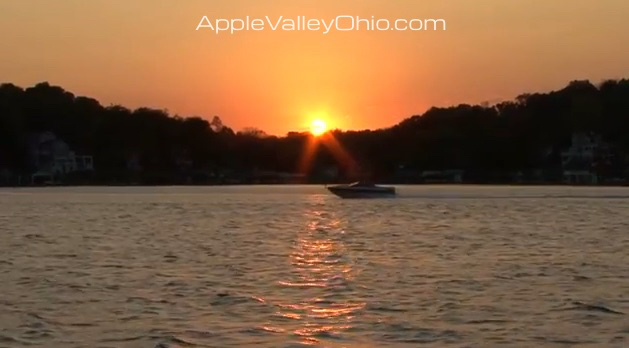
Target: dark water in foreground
295, 266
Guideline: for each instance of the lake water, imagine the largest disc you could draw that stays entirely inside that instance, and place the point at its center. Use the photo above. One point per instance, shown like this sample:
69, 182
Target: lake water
291, 266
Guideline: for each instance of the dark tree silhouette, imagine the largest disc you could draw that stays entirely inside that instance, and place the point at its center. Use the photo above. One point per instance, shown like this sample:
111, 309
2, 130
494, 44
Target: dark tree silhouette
151, 146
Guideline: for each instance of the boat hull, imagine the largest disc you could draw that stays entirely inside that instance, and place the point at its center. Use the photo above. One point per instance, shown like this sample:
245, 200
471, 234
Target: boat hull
345, 192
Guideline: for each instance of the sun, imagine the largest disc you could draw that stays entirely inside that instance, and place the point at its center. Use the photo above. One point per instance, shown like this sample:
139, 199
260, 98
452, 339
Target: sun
318, 127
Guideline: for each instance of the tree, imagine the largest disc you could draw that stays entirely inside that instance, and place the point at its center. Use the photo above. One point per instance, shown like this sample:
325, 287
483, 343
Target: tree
525, 133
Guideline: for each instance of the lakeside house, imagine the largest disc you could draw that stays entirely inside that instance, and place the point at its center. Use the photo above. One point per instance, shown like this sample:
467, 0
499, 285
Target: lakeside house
52, 158
274, 177
529, 176
579, 162
406, 175
442, 176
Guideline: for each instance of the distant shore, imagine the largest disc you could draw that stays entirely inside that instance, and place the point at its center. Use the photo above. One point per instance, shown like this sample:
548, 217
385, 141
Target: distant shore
624, 184
573, 136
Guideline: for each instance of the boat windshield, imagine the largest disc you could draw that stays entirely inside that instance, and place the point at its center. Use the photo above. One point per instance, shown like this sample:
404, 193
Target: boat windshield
361, 184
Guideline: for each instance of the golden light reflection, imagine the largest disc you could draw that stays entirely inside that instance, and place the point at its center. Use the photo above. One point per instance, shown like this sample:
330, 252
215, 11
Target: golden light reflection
325, 302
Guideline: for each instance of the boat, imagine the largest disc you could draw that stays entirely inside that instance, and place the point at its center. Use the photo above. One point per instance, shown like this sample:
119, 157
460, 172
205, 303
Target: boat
361, 189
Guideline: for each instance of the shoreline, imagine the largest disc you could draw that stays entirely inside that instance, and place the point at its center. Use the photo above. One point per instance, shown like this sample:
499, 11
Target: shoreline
555, 184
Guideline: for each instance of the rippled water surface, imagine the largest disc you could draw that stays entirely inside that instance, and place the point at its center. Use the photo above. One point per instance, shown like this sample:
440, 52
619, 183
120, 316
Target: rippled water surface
452, 266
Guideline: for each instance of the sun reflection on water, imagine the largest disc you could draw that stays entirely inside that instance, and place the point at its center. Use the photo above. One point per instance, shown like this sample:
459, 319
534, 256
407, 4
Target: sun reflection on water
324, 301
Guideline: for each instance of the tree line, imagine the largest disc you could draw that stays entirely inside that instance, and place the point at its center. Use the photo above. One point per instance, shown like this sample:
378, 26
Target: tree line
526, 133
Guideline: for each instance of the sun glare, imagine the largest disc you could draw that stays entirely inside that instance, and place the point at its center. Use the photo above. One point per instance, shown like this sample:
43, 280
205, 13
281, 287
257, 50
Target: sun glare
318, 127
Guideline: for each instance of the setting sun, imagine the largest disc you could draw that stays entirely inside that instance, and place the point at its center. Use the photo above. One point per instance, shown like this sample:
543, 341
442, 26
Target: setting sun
318, 127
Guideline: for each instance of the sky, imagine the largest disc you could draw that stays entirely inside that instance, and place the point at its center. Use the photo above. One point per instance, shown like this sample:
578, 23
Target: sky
149, 53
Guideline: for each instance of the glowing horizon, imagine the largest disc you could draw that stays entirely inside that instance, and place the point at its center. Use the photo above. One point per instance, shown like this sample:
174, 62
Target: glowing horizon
148, 54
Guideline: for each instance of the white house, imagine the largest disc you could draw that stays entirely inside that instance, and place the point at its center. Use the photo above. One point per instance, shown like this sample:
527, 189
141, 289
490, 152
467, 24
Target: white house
579, 160
52, 157
584, 147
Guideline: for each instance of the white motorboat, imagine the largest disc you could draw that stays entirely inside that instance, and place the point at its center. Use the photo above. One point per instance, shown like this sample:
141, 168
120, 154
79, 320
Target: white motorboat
361, 190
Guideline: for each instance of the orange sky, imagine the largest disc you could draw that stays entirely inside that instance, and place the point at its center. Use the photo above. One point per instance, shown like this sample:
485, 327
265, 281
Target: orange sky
148, 53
